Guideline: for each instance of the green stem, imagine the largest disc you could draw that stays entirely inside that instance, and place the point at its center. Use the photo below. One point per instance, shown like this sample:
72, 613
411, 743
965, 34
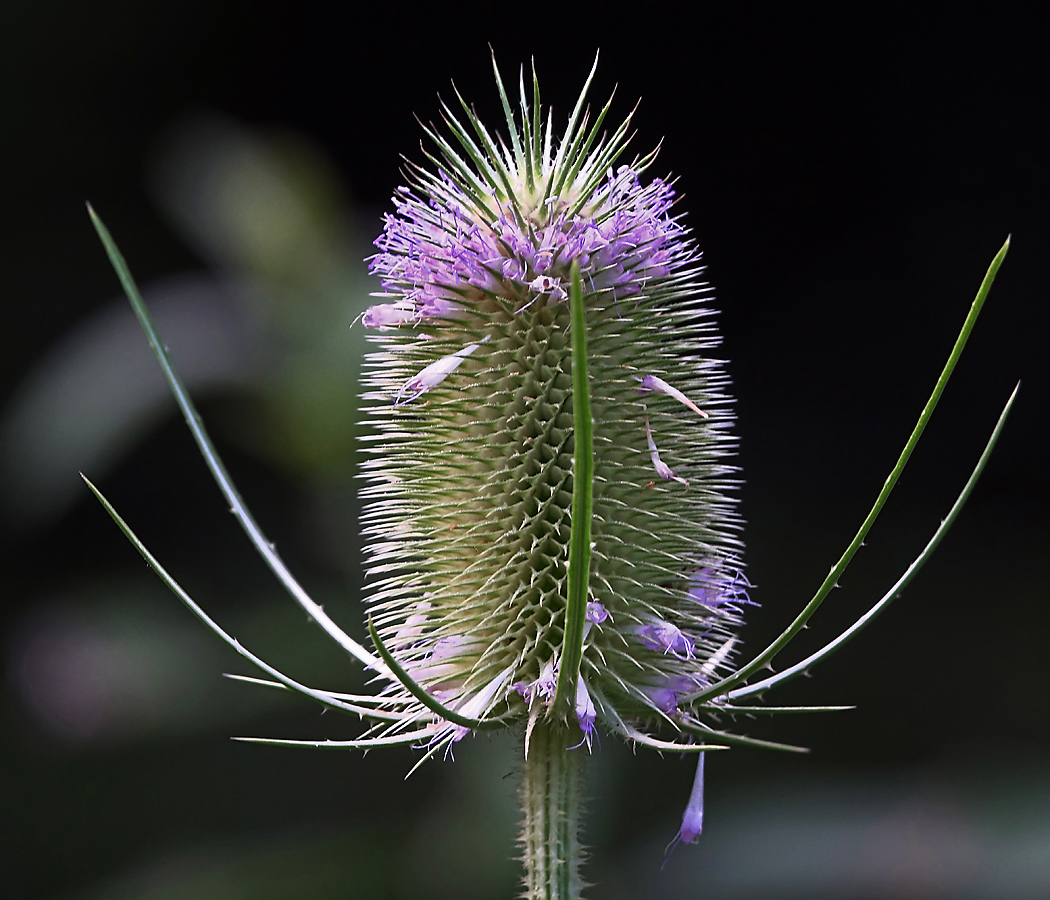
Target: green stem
550, 801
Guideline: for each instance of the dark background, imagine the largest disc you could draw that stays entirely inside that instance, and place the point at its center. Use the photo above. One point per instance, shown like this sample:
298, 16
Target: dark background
848, 176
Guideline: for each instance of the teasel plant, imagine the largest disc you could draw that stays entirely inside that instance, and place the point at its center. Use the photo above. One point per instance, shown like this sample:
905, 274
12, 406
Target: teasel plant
552, 536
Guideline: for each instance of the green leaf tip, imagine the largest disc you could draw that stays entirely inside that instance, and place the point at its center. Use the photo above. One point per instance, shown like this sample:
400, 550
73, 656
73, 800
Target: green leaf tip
214, 462
802, 667
726, 685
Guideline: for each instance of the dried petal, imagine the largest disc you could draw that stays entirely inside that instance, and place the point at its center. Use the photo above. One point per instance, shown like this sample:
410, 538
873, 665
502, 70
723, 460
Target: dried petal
432, 375
662, 469
388, 315
652, 383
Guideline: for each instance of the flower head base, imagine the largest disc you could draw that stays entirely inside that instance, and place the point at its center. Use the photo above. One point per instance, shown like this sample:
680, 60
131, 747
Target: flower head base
470, 507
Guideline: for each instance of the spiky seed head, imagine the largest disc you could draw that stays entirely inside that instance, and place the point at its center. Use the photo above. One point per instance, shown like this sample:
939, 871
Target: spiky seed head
468, 510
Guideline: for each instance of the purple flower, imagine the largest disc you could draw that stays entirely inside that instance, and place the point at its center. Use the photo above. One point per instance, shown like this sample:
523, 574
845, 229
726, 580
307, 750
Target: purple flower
666, 637
548, 680
693, 817
664, 694
466, 244
663, 698
585, 712
388, 315
704, 590
543, 687
708, 588
596, 613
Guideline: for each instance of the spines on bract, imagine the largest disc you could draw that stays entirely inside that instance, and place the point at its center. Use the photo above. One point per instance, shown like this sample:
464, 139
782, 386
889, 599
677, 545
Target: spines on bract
471, 467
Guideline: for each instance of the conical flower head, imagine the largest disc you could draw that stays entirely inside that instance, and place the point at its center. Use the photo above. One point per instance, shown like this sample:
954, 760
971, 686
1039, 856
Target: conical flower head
470, 506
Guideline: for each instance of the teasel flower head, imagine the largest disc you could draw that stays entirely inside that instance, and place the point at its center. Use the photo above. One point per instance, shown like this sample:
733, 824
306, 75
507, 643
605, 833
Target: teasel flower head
552, 530
474, 464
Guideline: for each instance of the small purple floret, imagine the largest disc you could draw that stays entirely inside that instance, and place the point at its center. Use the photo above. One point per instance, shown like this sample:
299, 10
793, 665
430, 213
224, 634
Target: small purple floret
719, 593
547, 682
704, 590
596, 613
664, 699
543, 687
388, 315
693, 817
664, 693
667, 638
585, 712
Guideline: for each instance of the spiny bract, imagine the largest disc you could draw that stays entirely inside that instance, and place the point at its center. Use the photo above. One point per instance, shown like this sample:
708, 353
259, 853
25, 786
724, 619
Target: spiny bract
471, 466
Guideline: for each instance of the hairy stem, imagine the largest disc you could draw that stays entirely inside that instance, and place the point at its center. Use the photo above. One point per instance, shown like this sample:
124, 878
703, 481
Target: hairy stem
550, 801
